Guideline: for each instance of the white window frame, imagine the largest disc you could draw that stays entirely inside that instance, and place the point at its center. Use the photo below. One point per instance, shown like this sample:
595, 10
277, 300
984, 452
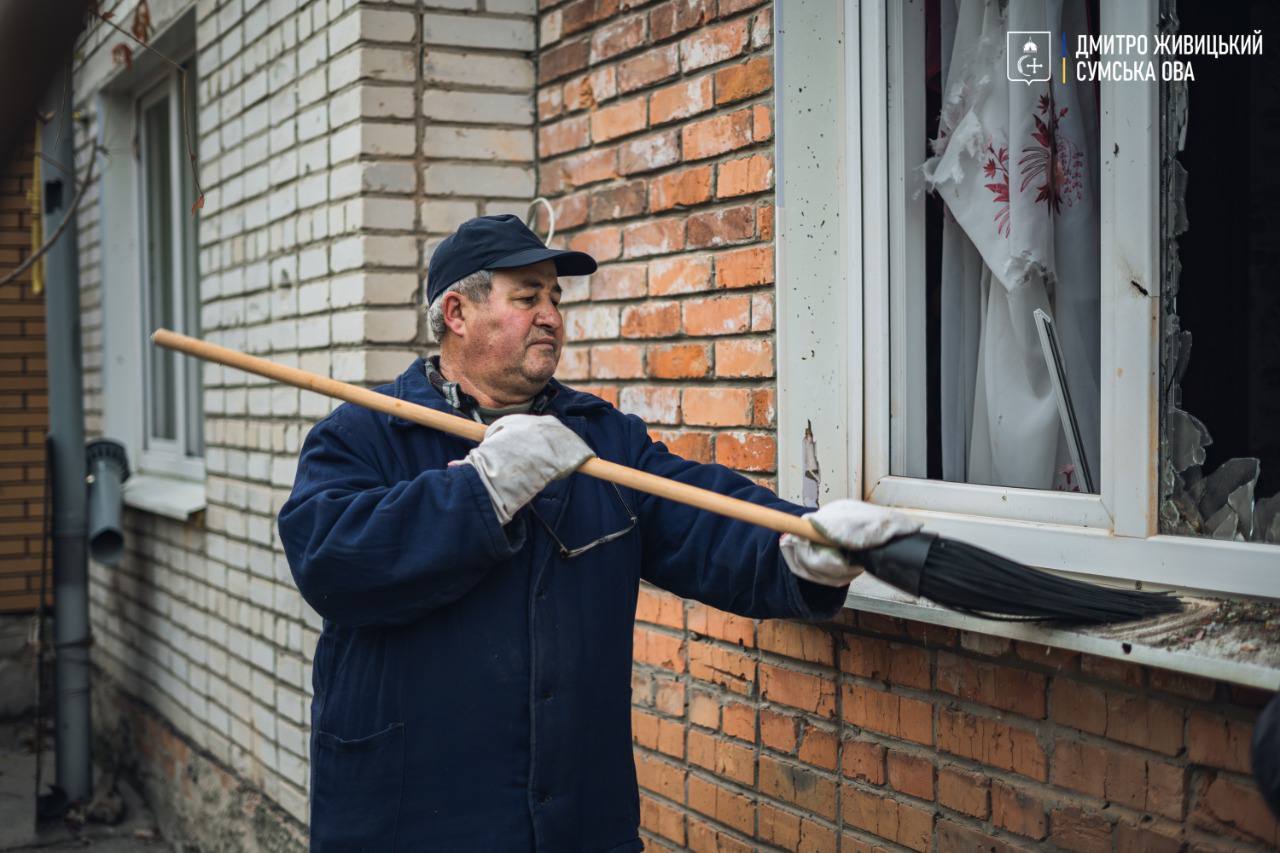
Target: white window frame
842, 369
171, 456
164, 480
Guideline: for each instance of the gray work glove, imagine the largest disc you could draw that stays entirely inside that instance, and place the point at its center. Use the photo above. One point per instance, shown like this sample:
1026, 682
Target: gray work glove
855, 525
520, 454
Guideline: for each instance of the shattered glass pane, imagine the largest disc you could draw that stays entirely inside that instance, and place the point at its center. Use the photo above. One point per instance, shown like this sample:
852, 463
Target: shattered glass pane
1228, 288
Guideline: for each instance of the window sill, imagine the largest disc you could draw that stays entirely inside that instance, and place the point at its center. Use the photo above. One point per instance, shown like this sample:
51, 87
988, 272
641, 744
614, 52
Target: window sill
1206, 640
167, 496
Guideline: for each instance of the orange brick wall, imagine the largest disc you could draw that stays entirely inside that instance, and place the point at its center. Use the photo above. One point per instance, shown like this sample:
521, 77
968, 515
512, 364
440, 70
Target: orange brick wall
24, 404
654, 140
655, 144
761, 735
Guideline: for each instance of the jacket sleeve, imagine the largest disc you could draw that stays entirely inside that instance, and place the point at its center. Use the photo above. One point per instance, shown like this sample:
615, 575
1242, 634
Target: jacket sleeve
367, 552
730, 565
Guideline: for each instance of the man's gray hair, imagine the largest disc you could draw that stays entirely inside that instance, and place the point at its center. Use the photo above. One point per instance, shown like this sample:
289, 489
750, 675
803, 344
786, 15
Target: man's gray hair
475, 287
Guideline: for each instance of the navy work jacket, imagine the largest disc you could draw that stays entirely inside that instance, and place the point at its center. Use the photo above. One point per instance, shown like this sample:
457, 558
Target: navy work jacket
472, 686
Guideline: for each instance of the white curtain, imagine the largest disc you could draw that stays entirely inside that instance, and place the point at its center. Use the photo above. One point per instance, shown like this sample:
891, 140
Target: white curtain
1016, 166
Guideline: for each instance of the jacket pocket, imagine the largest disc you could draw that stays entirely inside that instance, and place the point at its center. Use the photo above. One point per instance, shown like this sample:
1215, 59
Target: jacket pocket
355, 790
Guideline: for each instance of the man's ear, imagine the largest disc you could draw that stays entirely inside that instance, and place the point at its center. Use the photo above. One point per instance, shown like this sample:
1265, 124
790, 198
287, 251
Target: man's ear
454, 316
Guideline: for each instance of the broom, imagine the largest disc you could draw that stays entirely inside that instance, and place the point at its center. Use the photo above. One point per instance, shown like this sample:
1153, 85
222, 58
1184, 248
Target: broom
953, 574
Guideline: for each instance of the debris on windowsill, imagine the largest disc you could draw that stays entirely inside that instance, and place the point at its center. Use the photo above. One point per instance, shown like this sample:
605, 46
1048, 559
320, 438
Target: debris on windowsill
1232, 640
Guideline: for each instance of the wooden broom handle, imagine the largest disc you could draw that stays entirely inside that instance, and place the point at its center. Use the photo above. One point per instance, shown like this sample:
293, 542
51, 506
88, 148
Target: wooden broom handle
601, 469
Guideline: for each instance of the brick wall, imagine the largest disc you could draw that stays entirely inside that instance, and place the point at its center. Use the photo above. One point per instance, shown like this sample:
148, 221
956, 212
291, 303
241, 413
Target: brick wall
874, 733
337, 141
24, 402
654, 139
655, 142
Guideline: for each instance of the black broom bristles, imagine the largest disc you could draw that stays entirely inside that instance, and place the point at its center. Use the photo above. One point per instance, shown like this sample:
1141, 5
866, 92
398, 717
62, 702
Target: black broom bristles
966, 578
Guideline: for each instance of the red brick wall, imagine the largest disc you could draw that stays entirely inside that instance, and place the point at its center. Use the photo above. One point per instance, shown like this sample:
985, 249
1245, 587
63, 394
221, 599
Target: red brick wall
874, 730
655, 142
655, 129
24, 404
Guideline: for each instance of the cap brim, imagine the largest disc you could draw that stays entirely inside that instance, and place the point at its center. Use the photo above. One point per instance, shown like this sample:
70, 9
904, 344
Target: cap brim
567, 263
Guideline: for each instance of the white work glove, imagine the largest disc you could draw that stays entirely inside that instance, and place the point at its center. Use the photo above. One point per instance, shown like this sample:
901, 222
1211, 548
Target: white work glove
856, 525
520, 454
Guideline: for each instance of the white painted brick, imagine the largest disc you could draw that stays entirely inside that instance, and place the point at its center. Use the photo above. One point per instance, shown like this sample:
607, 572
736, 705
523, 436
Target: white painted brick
381, 25
370, 250
258, 148
471, 31
381, 326
313, 156
289, 736
313, 406
443, 215
260, 594
283, 469
313, 262
382, 63
255, 24
312, 52
387, 213
263, 692
388, 139
232, 43
344, 32
312, 332
368, 366
278, 10
313, 190
463, 143
384, 101
478, 180
313, 87
387, 177
257, 276
230, 105
372, 139
442, 66
391, 251
373, 288
345, 107
280, 108
313, 122
257, 308
478, 107
347, 254
255, 88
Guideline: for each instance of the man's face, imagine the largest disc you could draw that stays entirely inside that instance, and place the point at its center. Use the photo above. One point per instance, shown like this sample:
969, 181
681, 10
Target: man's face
513, 339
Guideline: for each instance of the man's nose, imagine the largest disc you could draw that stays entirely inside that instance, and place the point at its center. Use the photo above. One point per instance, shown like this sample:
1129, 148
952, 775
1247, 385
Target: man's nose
549, 317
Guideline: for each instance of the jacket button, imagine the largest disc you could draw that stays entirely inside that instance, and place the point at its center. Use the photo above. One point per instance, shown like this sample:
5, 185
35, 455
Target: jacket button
546, 695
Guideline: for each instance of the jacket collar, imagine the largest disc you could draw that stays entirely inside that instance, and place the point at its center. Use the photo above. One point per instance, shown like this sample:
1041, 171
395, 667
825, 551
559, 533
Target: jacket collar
412, 386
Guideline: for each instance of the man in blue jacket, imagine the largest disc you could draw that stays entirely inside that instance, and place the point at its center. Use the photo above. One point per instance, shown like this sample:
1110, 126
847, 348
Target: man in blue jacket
473, 677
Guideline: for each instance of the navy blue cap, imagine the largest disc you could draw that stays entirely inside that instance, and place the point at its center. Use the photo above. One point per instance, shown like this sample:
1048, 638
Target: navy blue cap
495, 243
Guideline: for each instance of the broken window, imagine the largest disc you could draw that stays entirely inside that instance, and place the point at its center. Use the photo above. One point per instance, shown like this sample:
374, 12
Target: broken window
1220, 306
